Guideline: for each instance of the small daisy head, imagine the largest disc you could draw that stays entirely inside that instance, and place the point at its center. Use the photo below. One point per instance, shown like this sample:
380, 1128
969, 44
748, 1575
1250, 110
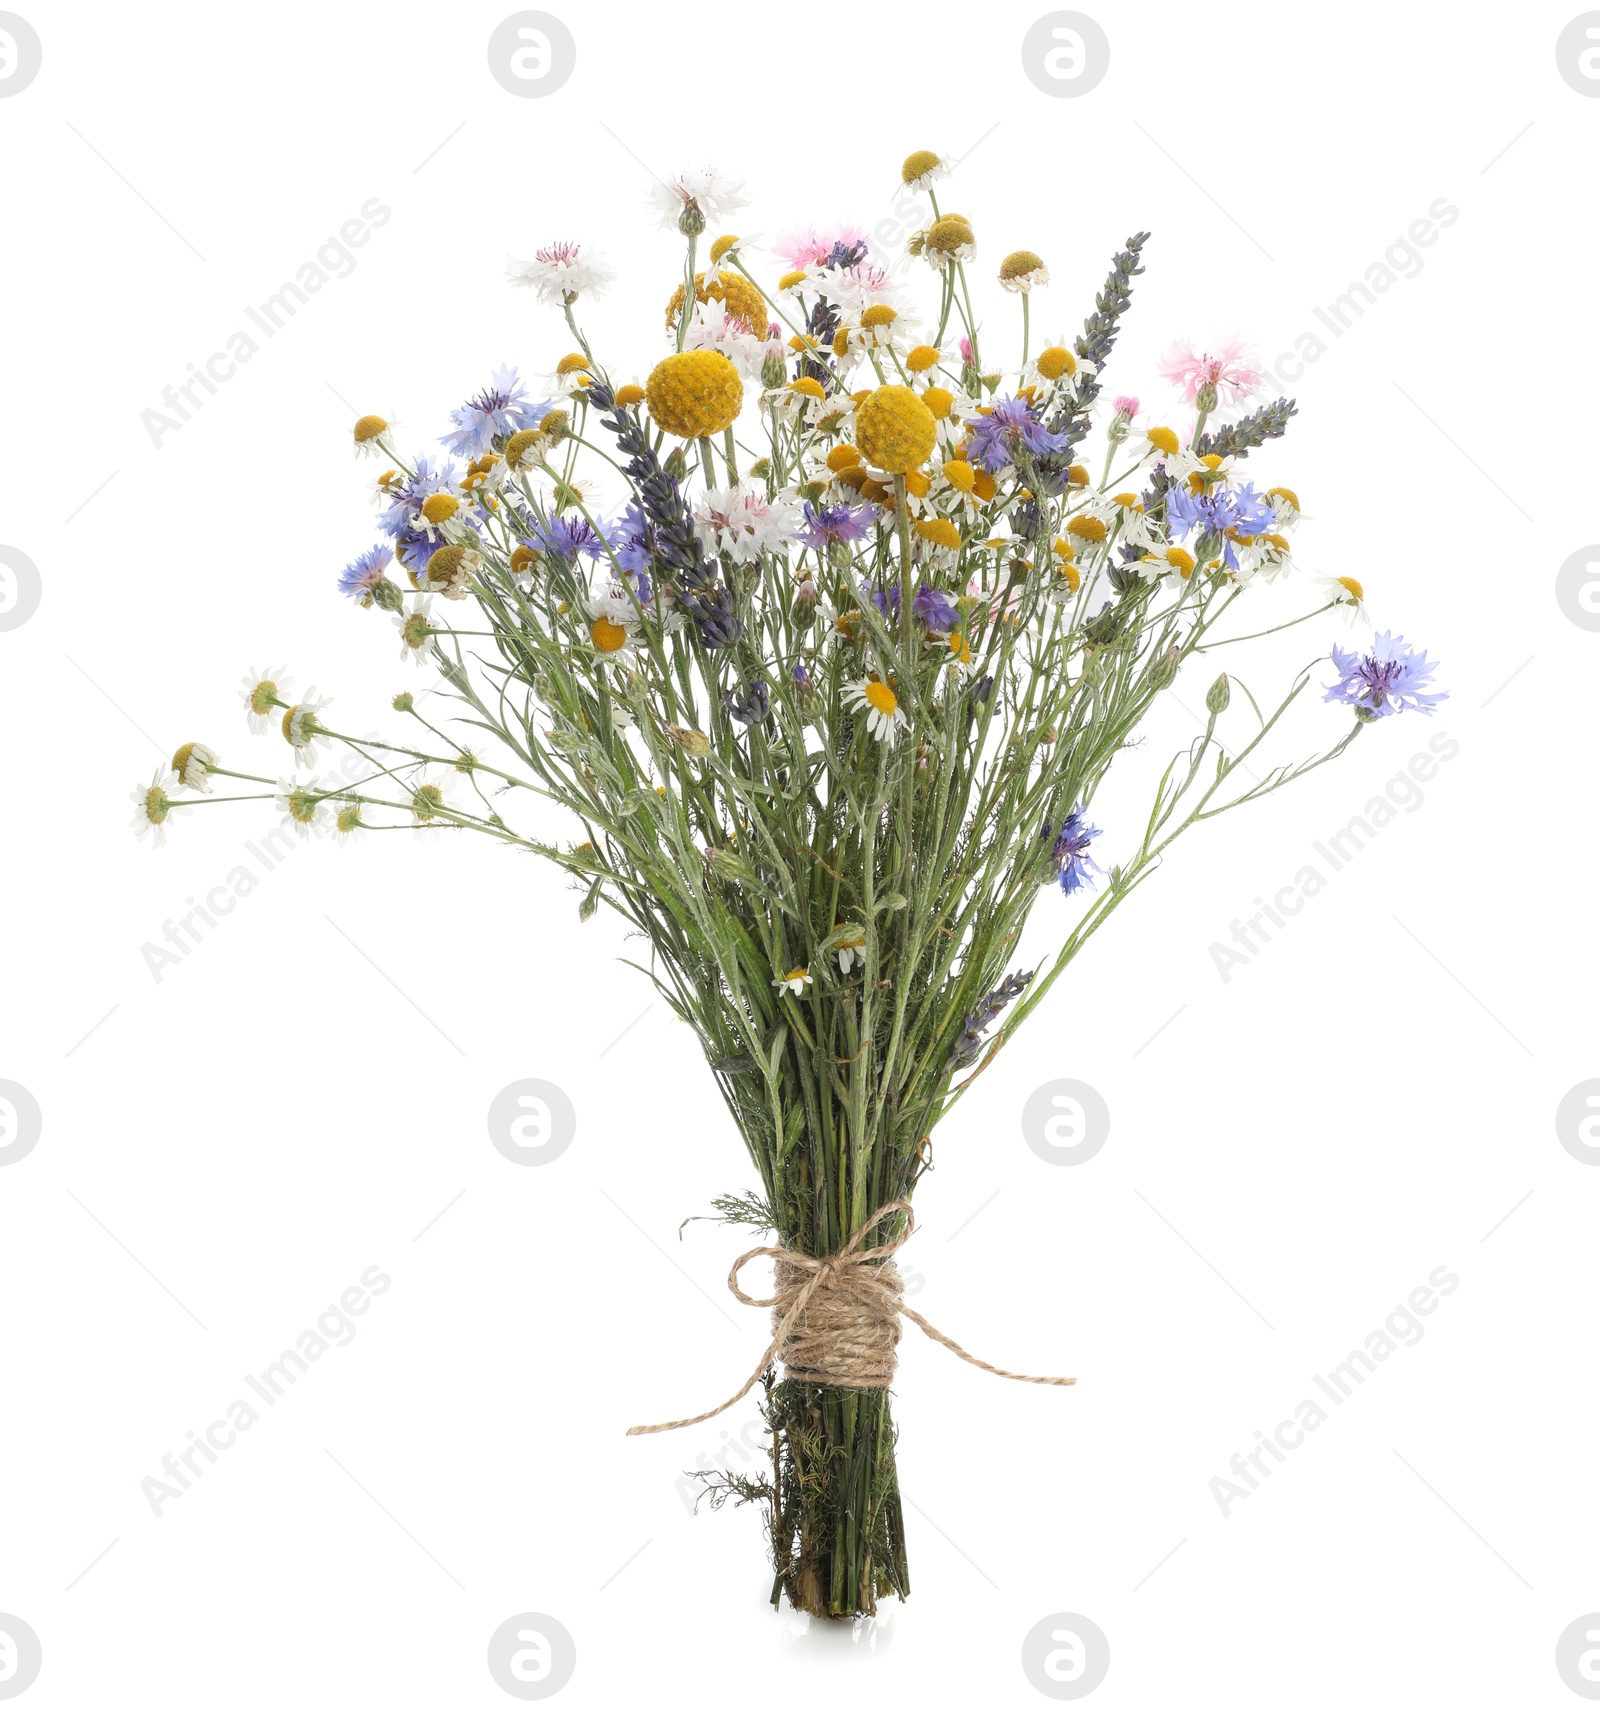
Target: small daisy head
1056, 362
416, 629
1163, 441
1022, 271
949, 241
263, 694
430, 798
1346, 592
192, 766
922, 169
300, 728
348, 826
793, 981
154, 806
369, 435
305, 804
877, 700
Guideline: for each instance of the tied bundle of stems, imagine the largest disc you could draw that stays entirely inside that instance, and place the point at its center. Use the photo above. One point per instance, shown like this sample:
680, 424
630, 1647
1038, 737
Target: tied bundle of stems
826, 724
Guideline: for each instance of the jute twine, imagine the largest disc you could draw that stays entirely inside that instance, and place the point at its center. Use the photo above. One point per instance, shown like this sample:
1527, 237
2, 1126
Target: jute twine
836, 1318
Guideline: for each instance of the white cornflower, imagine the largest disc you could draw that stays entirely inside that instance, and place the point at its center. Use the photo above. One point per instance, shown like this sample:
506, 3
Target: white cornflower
710, 193
562, 272
262, 692
154, 806
711, 328
744, 522
885, 716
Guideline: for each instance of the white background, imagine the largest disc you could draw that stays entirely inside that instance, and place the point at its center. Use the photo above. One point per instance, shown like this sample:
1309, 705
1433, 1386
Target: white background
300, 1097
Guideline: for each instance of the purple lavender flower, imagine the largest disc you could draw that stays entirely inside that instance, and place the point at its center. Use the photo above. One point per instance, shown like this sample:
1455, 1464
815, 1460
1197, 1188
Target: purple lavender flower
1069, 851
1223, 512
834, 524
1013, 426
750, 704
1388, 680
935, 609
361, 576
502, 409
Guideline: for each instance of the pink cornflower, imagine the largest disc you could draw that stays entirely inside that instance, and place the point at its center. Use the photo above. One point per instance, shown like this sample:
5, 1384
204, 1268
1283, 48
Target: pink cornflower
813, 249
1125, 404
1229, 369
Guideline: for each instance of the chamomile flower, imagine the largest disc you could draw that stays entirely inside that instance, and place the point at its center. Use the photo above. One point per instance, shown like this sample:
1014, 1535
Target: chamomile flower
795, 981
1134, 527
1346, 592
154, 806
877, 700
432, 790
263, 695
192, 766
613, 623
849, 946
369, 435
1022, 271
921, 170
347, 826
300, 729
305, 802
416, 629
562, 272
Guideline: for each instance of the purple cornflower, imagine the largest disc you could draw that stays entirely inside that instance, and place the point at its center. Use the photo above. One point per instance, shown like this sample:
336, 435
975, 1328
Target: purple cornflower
503, 408
633, 540
935, 609
361, 576
887, 601
834, 524
568, 537
1387, 680
433, 476
1223, 512
802, 678
1069, 851
1013, 426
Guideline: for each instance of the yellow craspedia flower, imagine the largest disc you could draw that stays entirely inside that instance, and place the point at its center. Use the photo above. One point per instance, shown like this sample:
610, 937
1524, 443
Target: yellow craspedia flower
1087, 529
721, 246
878, 315
939, 401
630, 395
921, 358
734, 292
795, 276
843, 457
894, 429
940, 531
960, 474
694, 393
807, 387
1056, 361
1164, 440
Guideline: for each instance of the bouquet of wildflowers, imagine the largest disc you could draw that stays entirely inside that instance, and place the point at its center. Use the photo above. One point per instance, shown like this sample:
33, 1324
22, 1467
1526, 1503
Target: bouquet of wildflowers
820, 708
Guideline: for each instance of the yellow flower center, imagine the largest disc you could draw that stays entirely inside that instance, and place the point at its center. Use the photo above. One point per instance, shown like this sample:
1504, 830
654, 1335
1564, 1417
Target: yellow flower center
1018, 263
1056, 361
1287, 494
939, 401
438, 507
369, 428
881, 697
630, 395
920, 162
807, 387
1356, 592
843, 457
1164, 440
722, 246
607, 636
960, 649
960, 474
1181, 560
879, 315
1087, 529
940, 531
263, 697
795, 276
574, 363
921, 358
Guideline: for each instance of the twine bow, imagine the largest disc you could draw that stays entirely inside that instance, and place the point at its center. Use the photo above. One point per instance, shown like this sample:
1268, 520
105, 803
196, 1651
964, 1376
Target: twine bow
836, 1318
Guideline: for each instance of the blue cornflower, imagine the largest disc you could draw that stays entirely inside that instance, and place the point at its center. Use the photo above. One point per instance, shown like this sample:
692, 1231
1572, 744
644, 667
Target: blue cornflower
802, 678
1388, 680
935, 609
361, 576
1069, 851
433, 476
568, 537
834, 524
633, 541
502, 408
1012, 426
1222, 512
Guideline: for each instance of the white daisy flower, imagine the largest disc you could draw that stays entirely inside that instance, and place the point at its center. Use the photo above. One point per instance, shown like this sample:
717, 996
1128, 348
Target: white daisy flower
415, 628
885, 716
306, 805
795, 982
370, 433
262, 691
193, 764
1135, 528
299, 727
562, 272
432, 791
850, 947
154, 806
347, 826
613, 623
1349, 594
923, 170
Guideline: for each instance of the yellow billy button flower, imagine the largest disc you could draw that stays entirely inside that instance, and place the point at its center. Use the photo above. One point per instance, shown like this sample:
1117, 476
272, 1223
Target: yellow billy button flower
736, 294
843, 457
894, 429
960, 475
938, 530
629, 395
1022, 271
1056, 361
878, 702
694, 394
940, 401
921, 358
607, 635
794, 981
1163, 440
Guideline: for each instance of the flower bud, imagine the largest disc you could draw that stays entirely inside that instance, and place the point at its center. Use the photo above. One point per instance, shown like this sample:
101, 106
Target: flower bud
1165, 669
387, 595
1219, 695
403, 703
1205, 398
676, 466
691, 223
773, 372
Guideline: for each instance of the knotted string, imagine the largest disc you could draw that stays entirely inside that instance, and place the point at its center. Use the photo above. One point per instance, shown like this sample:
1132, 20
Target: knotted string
836, 1318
